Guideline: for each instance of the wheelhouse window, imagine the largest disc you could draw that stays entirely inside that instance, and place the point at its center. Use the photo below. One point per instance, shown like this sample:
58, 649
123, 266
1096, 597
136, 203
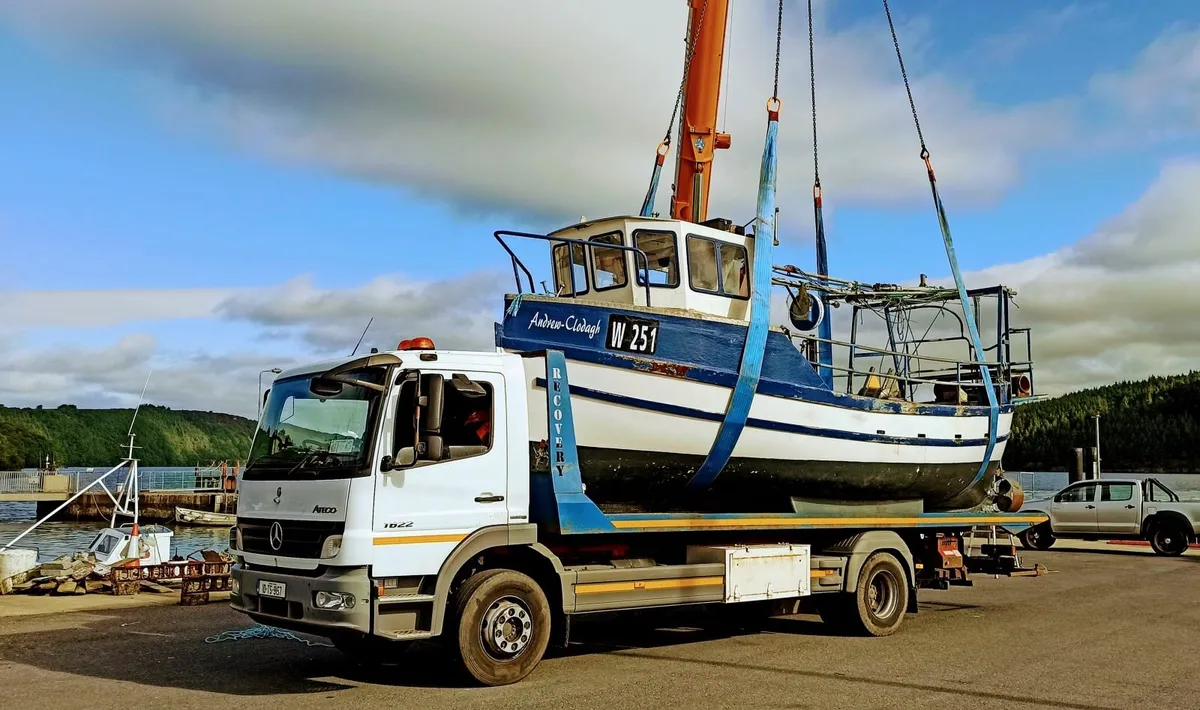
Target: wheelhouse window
717, 267
570, 260
661, 257
608, 270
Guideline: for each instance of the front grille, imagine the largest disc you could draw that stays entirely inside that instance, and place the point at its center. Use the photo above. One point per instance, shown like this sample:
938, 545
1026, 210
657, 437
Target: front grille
301, 538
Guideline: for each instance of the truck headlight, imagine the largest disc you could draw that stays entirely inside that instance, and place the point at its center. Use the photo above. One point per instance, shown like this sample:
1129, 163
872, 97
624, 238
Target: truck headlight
331, 547
333, 601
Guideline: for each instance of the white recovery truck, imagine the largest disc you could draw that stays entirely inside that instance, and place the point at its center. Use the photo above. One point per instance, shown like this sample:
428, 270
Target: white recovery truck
397, 496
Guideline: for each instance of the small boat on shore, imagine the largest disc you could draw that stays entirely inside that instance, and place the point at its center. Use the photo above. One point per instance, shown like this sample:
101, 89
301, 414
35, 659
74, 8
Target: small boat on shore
187, 516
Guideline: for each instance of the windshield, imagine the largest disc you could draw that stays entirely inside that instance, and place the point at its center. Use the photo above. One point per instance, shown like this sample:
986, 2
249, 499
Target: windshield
323, 434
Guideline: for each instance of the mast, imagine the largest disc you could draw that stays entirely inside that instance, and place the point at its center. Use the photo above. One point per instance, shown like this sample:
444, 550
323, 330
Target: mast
698, 120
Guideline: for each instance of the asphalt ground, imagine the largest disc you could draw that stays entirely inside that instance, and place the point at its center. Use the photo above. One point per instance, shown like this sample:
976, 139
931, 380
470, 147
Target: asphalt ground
1107, 627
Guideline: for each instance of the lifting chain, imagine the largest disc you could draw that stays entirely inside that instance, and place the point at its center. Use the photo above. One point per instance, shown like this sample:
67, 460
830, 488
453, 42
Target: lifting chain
687, 65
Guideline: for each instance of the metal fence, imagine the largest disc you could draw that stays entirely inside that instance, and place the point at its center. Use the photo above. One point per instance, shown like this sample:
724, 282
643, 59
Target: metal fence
152, 479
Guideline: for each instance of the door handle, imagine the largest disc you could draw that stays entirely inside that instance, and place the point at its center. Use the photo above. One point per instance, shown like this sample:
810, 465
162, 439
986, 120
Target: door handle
488, 498
1090, 507
1130, 507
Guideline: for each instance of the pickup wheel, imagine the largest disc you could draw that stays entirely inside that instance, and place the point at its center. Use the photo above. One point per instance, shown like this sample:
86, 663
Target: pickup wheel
1037, 537
1168, 539
503, 626
877, 607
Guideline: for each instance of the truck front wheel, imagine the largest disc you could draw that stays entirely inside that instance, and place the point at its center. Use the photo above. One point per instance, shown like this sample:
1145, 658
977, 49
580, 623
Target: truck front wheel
1168, 539
503, 626
877, 607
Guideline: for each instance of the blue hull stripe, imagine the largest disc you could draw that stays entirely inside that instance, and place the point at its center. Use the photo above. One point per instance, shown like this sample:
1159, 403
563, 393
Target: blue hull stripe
771, 388
767, 424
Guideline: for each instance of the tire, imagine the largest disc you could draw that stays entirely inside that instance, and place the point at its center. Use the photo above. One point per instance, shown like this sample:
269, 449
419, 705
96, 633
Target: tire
877, 606
1037, 537
1168, 539
501, 627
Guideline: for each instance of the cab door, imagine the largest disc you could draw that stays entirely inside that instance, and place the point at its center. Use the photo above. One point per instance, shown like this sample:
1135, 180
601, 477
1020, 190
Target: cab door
1117, 509
1074, 509
448, 450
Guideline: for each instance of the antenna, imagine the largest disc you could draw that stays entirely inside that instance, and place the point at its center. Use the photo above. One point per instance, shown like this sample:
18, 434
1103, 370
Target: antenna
360, 338
139, 404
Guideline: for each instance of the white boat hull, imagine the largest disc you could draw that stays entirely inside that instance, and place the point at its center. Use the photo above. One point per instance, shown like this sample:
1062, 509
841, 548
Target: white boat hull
825, 450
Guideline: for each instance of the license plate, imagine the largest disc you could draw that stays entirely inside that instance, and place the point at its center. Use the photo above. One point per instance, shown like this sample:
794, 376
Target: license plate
272, 589
635, 335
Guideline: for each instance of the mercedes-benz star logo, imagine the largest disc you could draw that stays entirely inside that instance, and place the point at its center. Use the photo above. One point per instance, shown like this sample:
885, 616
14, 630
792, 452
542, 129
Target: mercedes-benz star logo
276, 536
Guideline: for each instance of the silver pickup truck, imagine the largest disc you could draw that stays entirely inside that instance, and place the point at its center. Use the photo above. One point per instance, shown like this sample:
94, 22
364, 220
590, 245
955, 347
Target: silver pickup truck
1115, 508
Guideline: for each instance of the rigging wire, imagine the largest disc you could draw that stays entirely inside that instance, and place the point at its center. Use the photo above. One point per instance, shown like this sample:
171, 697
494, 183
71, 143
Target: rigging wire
664, 146
812, 85
778, 40
912, 105
687, 65
728, 67
985, 374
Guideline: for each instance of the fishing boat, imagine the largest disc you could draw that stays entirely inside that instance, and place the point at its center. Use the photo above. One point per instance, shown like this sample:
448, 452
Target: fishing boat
687, 396
187, 516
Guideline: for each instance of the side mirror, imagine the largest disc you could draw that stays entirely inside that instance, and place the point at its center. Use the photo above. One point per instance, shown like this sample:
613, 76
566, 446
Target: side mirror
325, 388
404, 458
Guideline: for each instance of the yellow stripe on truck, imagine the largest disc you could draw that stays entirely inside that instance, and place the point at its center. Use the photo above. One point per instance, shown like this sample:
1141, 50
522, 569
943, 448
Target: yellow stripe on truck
684, 524
648, 584
415, 539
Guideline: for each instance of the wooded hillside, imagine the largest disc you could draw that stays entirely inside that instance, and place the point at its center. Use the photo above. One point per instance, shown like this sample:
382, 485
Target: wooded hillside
94, 437
1151, 425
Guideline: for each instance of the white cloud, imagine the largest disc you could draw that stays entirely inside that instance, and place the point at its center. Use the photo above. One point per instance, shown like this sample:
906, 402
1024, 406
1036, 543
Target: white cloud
456, 313
1161, 91
297, 321
98, 308
1121, 303
542, 106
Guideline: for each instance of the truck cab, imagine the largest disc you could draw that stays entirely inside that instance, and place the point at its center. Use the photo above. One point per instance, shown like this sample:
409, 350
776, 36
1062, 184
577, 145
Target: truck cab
1114, 509
367, 473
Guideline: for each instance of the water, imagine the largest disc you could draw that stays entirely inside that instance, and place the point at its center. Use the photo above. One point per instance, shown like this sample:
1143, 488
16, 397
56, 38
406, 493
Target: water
1043, 484
54, 539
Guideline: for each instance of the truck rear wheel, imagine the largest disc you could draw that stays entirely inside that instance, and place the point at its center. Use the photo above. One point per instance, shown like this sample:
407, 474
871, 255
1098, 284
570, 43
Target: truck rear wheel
1168, 539
1037, 537
503, 626
877, 606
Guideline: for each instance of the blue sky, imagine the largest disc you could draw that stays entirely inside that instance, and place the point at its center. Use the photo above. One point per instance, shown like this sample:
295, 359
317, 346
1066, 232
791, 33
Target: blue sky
122, 171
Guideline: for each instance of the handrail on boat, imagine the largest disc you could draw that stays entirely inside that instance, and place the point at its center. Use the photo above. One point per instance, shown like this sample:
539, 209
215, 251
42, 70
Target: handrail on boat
921, 376
641, 261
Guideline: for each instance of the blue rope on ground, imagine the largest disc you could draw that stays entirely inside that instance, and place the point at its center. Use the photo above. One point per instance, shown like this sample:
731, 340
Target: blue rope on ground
259, 631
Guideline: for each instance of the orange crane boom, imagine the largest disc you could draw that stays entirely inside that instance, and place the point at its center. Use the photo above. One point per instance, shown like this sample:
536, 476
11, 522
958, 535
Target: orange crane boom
698, 120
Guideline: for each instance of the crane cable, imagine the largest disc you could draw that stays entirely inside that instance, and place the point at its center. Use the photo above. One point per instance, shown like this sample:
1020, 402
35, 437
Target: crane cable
825, 327
664, 146
944, 224
737, 409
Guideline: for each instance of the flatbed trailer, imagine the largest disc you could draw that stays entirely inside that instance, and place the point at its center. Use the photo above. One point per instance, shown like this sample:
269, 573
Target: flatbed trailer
502, 594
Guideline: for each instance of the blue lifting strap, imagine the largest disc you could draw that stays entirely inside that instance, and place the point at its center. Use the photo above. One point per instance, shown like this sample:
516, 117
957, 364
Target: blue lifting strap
660, 156
969, 315
738, 409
